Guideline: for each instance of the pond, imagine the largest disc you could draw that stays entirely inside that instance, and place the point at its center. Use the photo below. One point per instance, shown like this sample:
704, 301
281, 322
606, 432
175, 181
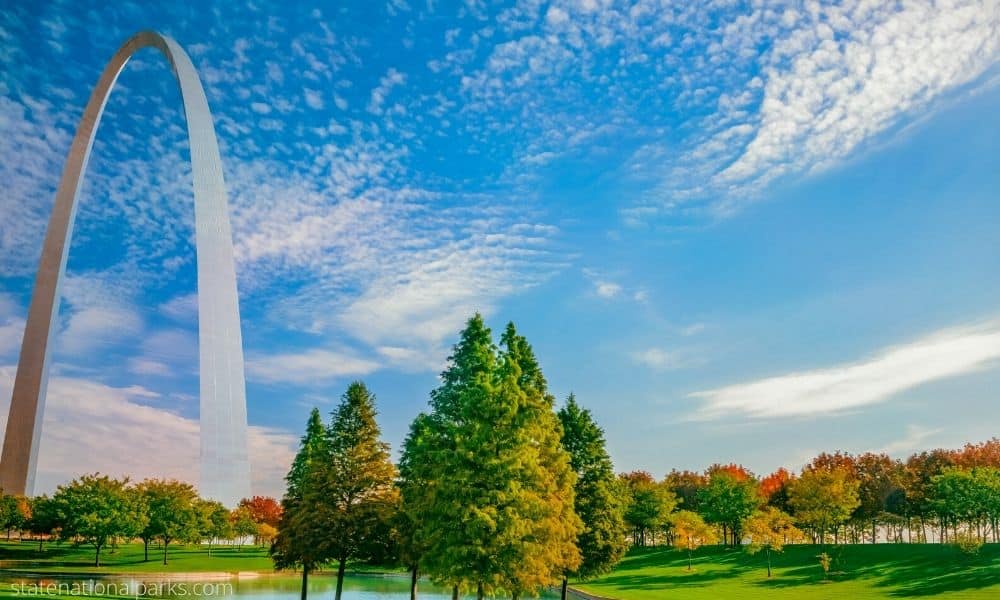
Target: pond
262, 587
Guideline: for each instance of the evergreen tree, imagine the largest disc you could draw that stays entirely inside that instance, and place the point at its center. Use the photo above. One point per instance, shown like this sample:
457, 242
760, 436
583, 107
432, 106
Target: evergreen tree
299, 534
498, 513
416, 480
599, 499
354, 496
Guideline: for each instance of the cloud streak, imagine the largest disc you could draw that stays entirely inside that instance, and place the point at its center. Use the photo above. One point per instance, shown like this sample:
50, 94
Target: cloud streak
947, 353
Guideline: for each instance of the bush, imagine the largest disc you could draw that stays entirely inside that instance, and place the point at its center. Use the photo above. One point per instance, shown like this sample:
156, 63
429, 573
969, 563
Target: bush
968, 543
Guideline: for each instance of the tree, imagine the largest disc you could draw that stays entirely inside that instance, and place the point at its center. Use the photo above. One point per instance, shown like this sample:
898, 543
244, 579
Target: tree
213, 522
44, 519
416, 485
691, 532
263, 509
685, 486
769, 530
173, 515
649, 504
265, 534
599, 502
500, 488
879, 479
354, 490
298, 543
774, 489
94, 509
823, 499
730, 497
243, 524
14, 512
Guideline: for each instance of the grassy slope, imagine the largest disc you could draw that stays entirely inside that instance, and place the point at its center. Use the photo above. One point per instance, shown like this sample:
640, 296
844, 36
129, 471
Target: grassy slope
860, 573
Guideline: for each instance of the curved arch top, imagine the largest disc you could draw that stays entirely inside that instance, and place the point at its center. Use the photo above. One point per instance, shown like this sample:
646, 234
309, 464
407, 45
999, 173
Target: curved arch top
225, 471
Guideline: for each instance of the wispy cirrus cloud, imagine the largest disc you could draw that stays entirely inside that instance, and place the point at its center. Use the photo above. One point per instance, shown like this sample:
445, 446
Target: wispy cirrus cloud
308, 367
946, 353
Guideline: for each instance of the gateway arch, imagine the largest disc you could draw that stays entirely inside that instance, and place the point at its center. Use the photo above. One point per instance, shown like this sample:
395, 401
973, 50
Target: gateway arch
225, 467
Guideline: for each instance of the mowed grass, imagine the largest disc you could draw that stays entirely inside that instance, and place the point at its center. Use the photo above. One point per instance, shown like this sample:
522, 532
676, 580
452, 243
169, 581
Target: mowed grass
858, 573
128, 558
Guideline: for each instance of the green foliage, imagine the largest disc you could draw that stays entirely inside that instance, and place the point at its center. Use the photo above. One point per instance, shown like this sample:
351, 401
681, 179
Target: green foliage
487, 485
300, 536
648, 505
340, 495
243, 524
769, 530
172, 512
94, 509
728, 499
599, 500
213, 522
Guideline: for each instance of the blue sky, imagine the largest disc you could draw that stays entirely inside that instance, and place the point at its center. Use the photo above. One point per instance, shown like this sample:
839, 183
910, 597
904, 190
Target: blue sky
738, 231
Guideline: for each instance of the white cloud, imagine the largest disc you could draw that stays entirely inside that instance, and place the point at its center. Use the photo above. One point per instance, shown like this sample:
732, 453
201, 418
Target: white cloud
946, 353
311, 366
181, 308
144, 366
391, 79
607, 289
659, 359
90, 426
98, 327
313, 98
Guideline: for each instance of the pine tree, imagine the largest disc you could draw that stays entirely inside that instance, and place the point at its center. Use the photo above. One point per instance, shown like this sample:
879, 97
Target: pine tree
550, 478
354, 496
299, 535
599, 499
497, 511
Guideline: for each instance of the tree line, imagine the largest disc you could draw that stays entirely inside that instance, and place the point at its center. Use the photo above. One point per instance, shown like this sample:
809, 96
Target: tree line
498, 492
102, 511
947, 495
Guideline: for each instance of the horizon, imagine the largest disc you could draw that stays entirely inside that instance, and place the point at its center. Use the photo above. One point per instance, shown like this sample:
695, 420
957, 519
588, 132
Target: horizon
746, 243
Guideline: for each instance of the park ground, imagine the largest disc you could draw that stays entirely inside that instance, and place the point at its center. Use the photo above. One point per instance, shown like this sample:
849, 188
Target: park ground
857, 573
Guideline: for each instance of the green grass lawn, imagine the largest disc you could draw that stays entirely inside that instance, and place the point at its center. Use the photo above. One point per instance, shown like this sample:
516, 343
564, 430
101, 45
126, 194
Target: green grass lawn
858, 573
128, 558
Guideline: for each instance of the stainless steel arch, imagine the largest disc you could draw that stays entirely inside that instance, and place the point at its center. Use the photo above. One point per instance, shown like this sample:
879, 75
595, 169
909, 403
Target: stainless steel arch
225, 469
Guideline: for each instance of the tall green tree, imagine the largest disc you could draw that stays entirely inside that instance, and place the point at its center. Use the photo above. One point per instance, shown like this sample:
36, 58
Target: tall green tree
95, 509
500, 513
417, 479
44, 520
172, 509
300, 536
355, 492
727, 500
213, 522
599, 500
648, 505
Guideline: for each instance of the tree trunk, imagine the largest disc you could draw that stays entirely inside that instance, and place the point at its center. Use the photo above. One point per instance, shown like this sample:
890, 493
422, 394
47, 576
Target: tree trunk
565, 585
340, 576
689, 559
768, 552
145, 550
40, 540
480, 594
165, 544
97, 556
413, 583
305, 583
454, 592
